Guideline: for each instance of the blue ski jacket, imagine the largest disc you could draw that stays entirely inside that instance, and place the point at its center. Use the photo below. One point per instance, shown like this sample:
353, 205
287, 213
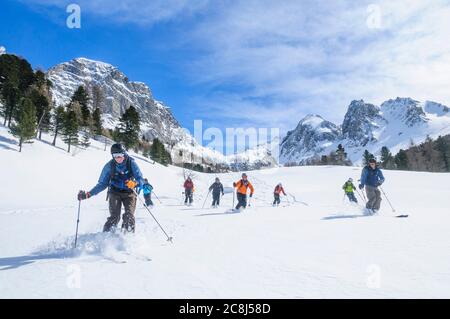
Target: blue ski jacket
147, 188
121, 175
371, 177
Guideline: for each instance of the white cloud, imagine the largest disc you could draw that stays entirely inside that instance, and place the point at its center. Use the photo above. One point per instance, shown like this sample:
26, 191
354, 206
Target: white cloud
321, 55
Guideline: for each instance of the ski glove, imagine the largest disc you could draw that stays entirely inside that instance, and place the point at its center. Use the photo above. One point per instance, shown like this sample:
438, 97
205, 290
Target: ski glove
251, 195
379, 183
131, 184
361, 186
83, 195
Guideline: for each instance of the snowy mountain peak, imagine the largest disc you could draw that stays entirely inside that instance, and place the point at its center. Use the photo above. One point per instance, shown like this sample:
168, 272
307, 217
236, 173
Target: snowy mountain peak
436, 108
367, 126
2, 50
312, 135
407, 110
360, 122
312, 120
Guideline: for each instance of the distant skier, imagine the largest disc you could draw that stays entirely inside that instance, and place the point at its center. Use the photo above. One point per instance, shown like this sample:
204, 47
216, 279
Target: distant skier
121, 176
371, 178
348, 189
188, 191
217, 189
276, 194
241, 188
147, 190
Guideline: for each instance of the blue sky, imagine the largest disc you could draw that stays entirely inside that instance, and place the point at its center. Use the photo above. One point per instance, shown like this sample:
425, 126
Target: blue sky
249, 63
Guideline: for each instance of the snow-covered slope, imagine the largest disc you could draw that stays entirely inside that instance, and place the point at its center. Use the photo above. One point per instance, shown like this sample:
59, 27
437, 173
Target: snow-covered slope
2, 50
394, 124
313, 245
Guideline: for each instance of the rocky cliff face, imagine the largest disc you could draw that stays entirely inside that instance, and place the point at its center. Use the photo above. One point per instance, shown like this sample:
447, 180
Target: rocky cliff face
312, 136
361, 122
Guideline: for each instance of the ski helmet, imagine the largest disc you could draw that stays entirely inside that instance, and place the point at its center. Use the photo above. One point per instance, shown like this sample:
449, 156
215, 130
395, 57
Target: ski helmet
350, 179
372, 160
217, 179
279, 184
117, 148
244, 175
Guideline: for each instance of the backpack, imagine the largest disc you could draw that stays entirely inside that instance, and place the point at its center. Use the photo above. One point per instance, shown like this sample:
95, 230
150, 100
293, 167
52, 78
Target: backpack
113, 164
113, 168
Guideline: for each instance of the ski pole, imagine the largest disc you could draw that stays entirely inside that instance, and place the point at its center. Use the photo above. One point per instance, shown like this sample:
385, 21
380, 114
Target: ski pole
233, 199
393, 210
359, 194
206, 199
343, 199
148, 209
249, 201
363, 196
78, 221
157, 197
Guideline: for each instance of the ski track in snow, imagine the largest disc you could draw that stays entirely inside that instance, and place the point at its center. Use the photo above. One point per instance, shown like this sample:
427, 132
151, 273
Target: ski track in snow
315, 246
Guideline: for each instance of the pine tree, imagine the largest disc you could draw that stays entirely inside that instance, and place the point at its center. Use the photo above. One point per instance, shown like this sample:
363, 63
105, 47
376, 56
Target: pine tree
129, 128
82, 98
57, 124
401, 160
25, 128
387, 160
159, 154
85, 141
43, 115
97, 122
16, 76
443, 147
70, 130
367, 156
10, 98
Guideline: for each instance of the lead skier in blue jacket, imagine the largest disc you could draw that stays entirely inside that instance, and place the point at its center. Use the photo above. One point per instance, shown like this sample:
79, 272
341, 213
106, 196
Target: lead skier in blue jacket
372, 178
121, 176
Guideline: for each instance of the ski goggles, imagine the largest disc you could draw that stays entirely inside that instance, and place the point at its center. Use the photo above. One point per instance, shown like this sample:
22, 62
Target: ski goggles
118, 155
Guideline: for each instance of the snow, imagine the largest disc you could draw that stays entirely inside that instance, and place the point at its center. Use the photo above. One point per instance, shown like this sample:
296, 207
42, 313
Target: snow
2, 50
315, 246
312, 120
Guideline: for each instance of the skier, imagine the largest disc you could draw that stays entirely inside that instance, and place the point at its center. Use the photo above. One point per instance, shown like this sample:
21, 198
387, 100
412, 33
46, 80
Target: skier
121, 175
217, 189
147, 190
276, 194
241, 188
188, 191
348, 189
371, 178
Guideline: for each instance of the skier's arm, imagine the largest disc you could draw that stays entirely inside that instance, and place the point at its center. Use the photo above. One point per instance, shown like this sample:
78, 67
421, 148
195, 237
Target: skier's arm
137, 173
221, 188
283, 191
251, 188
103, 181
380, 177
